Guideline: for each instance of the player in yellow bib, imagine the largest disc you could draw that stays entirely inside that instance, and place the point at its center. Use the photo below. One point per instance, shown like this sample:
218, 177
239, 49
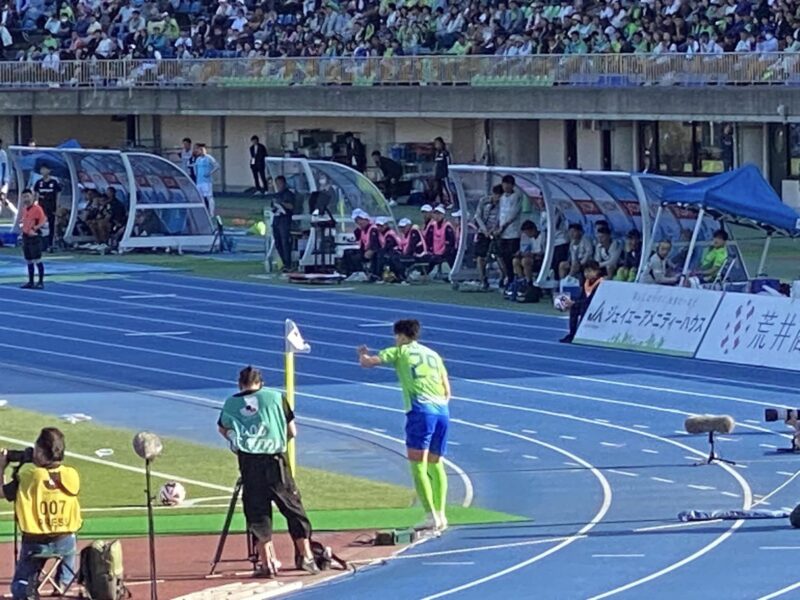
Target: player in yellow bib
426, 395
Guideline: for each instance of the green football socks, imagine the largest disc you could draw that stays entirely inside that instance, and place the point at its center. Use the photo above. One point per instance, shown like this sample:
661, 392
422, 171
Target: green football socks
438, 478
422, 482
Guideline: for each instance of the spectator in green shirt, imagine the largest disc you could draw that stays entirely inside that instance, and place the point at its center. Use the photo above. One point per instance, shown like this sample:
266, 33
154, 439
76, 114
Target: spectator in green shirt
714, 257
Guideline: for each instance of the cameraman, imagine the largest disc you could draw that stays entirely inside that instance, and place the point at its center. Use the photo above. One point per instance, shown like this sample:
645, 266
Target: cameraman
258, 423
47, 510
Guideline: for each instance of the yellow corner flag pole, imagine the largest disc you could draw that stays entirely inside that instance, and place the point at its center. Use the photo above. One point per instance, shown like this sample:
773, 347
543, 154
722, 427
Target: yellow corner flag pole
294, 342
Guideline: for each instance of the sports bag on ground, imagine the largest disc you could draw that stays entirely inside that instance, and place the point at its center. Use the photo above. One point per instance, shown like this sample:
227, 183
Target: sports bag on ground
101, 571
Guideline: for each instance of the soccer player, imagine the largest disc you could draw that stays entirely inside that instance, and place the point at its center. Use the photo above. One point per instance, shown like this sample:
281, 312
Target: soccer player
426, 394
204, 168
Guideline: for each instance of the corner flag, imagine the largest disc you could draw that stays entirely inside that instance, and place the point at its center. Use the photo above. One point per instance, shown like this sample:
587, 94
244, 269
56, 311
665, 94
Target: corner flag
294, 340
293, 343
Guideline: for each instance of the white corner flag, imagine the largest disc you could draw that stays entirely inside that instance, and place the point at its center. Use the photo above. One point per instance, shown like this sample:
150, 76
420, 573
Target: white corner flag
294, 340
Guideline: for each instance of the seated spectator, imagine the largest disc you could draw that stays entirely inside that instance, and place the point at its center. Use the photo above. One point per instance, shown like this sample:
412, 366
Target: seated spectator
581, 252
660, 269
487, 219
607, 252
369, 245
714, 257
426, 210
443, 241
528, 261
631, 257
577, 308
413, 243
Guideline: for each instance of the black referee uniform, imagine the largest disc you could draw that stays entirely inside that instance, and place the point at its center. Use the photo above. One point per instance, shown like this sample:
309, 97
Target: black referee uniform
47, 191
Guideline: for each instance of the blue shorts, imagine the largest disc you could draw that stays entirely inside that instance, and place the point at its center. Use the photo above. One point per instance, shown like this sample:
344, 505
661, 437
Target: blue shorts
427, 431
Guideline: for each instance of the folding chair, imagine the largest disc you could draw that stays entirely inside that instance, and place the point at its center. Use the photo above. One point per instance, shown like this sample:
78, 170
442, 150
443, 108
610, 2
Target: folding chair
51, 563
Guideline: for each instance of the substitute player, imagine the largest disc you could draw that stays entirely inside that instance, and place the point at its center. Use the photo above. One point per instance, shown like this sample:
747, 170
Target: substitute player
426, 394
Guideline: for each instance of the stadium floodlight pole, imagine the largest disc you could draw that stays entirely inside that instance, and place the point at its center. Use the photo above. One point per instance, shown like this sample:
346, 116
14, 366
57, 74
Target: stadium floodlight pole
294, 343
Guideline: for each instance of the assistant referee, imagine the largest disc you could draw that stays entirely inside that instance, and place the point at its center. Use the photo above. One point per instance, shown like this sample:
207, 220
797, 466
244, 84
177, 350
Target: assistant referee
258, 423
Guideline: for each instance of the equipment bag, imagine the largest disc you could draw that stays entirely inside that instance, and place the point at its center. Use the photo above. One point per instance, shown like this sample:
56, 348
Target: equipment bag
101, 571
530, 294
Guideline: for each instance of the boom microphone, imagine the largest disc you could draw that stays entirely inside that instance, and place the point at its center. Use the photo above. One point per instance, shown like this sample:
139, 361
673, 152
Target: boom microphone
709, 424
147, 445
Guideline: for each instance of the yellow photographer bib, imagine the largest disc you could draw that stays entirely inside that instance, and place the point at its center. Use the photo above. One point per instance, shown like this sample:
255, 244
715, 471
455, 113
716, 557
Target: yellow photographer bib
47, 500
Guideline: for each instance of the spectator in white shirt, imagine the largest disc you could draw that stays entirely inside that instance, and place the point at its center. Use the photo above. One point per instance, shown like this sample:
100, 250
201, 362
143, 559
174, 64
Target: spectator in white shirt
660, 269
767, 43
581, 251
745, 43
607, 252
52, 61
239, 21
528, 261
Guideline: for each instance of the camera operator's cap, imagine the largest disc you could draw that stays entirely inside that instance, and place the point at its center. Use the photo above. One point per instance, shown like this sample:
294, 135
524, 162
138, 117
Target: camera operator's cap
440, 209
383, 221
404, 222
426, 208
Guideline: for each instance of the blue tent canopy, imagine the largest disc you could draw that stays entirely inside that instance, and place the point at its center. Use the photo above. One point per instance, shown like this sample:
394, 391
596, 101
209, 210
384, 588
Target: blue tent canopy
741, 196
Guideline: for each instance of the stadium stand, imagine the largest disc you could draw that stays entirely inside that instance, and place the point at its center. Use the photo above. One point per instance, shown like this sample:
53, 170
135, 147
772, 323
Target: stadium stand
51, 31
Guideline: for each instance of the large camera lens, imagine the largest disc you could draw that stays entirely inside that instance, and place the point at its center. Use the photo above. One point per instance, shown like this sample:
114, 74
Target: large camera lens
20, 456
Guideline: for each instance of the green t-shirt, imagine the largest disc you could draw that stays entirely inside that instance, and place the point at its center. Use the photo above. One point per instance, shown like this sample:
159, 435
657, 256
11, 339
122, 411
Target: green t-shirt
714, 258
256, 421
422, 373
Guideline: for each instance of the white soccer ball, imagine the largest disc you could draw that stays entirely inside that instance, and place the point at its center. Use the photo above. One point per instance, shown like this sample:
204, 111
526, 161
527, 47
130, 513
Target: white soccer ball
172, 494
561, 302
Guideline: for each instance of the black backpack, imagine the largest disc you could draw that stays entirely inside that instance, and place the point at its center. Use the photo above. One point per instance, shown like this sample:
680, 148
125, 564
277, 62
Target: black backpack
101, 573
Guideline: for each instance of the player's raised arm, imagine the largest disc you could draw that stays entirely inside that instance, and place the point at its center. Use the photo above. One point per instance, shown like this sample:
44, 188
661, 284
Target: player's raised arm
367, 360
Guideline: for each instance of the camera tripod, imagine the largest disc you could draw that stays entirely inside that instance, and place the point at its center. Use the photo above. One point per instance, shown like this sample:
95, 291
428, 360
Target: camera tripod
252, 552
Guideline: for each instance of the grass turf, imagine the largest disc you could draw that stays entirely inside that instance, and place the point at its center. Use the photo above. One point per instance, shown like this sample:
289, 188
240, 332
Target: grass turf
106, 486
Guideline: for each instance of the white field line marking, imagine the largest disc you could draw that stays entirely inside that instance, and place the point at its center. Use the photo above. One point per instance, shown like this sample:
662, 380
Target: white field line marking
530, 457
763, 500
130, 468
451, 443
492, 425
609, 444
449, 564
681, 432
781, 592
530, 431
617, 555
649, 451
570, 464
625, 473
602, 420
730, 494
157, 333
475, 549
375, 324
567, 437
641, 426
702, 488
675, 525
779, 547
753, 421
786, 473
147, 296
662, 480
394, 311
769, 446
325, 289
494, 450
229, 330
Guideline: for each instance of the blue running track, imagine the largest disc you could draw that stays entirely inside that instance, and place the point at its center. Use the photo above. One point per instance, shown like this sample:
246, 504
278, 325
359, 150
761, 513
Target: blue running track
585, 443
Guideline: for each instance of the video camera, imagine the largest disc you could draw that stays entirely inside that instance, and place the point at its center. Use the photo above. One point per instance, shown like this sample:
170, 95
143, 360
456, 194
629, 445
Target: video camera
781, 414
20, 456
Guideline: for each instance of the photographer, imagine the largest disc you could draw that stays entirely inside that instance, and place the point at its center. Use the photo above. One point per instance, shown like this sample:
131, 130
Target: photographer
257, 423
47, 510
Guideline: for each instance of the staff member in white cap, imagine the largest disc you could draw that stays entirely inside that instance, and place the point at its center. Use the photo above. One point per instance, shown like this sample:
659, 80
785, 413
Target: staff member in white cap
427, 223
415, 247
366, 234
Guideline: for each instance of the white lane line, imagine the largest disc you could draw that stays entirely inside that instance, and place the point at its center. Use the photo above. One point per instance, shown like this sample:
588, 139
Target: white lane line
649, 451
781, 592
602, 420
530, 431
680, 432
753, 421
641, 426
624, 473
492, 425
740, 466
449, 564
156, 333
617, 555
567, 437
147, 296
610, 444
320, 289
662, 480
571, 464
722, 438
769, 446
675, 525
379, 430
730, 494
786, 473
691, 458
452, 443
494, 450
779, 547
374, 324
702, 488
530, 457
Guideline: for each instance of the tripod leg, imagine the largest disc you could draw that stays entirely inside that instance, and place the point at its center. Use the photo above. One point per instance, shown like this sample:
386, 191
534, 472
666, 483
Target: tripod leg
226, 527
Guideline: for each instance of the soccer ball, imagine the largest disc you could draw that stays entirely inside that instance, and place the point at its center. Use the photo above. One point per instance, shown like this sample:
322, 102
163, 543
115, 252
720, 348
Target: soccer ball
172, 494
561, 302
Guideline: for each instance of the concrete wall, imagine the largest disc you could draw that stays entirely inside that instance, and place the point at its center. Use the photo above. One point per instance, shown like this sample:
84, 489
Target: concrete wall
552, 144
622, 146
92, 131
589, 147
751, 145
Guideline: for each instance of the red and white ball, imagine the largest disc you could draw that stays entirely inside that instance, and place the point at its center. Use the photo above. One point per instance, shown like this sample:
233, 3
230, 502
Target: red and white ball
562, 302
172, 494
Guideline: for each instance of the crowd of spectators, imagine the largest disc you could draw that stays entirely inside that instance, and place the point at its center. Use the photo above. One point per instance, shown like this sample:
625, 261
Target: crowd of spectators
56, 30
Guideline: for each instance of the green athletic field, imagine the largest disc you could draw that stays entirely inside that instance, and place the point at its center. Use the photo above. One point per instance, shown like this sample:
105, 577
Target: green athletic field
113, 487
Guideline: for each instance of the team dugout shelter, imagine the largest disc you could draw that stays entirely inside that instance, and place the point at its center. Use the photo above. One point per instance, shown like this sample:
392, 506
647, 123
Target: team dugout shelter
164, 207
554, 199
326, 194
